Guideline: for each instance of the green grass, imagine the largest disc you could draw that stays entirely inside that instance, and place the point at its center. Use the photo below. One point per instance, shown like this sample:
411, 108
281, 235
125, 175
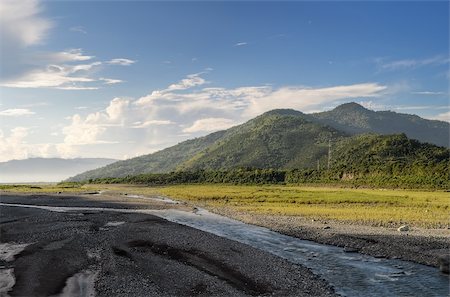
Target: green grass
48, 188
366, 206
375, 207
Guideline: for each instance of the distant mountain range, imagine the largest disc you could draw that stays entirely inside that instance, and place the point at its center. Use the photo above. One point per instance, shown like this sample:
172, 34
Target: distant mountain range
47, 169
353, 118
289, 139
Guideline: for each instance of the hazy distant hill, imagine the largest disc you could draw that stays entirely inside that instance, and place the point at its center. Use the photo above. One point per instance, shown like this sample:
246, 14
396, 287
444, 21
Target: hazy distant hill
355, 119
47, 169
282, 139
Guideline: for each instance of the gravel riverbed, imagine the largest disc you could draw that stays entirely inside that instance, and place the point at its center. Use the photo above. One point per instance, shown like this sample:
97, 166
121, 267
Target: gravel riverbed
132, 254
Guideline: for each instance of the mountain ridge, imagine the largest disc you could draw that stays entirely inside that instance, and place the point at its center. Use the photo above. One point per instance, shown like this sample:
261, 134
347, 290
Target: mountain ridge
281, 138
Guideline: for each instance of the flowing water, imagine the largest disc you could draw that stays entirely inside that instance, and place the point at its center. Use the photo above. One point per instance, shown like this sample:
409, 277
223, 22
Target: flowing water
351, 274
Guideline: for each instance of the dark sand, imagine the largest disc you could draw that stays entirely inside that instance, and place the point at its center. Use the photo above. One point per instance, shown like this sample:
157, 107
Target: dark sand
143, 256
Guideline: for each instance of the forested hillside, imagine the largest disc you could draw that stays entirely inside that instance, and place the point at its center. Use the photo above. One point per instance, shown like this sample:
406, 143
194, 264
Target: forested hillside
286, 139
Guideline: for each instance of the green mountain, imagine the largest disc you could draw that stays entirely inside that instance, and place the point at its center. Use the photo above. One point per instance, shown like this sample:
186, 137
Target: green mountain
387, 157
353, 118
287, 139
165, 160
277, 139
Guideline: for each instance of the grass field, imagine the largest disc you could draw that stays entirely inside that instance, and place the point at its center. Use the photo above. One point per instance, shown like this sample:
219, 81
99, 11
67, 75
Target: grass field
366, 206
49, 188
375, 207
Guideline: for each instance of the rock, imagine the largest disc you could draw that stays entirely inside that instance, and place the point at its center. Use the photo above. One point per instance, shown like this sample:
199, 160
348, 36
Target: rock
444, 264
326, 227
403, 228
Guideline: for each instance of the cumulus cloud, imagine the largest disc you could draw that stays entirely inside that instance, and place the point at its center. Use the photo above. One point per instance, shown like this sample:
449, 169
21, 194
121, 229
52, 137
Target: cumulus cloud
209, 125
186, 109
14, 145
445, 116
16, 112
305, 98
121, 61
190, 81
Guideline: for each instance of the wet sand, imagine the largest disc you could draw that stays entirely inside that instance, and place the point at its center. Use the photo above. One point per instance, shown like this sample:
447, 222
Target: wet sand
132, 254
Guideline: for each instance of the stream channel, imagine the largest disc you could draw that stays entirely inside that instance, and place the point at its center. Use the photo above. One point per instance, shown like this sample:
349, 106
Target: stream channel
351, 274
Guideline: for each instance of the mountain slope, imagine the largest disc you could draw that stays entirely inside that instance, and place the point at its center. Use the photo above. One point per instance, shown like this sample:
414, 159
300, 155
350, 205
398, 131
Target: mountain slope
353, 118
386, 159
279, 139
165, 160
47, 169
276, 139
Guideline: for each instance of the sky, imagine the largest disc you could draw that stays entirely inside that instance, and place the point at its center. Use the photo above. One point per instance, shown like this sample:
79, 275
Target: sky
119, 79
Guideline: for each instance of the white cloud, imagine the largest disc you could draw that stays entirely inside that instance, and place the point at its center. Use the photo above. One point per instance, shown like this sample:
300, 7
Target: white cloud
210, 125
412, 63
53, 76
186, 109
20, 22
192, 80
430, 93
16, 112
149, 123
445, 116
62, 76
372, 105
14, 145
305, 98
241, 44
121, 61
79, 29
69, 55
111, 81
23, 26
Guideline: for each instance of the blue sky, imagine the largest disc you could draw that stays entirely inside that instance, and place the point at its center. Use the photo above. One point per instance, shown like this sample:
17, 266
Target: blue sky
119, 79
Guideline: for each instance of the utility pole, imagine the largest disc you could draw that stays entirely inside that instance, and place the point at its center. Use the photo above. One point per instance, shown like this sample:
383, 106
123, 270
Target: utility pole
329, 154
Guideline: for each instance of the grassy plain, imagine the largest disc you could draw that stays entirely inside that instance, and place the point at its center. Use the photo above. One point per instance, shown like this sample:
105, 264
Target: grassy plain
375, 207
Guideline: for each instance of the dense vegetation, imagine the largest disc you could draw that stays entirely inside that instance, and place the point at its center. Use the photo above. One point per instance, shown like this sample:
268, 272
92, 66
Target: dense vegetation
371, 160
291, 144
352, 118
